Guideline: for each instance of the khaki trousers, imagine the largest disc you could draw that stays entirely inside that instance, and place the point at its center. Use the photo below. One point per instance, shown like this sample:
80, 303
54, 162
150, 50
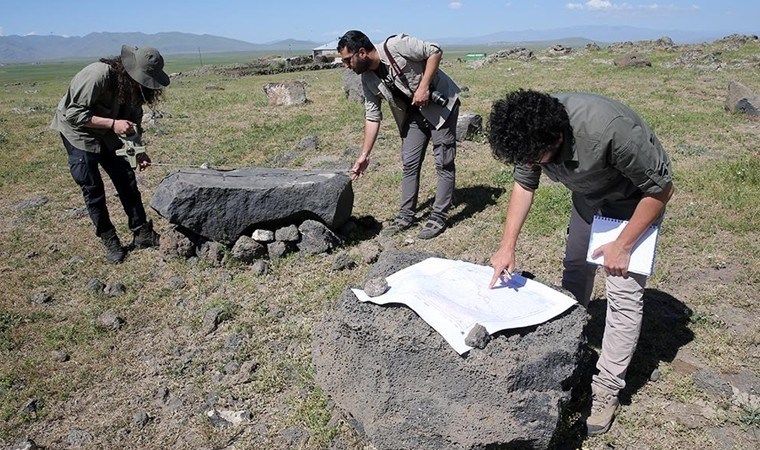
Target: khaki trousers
625, 306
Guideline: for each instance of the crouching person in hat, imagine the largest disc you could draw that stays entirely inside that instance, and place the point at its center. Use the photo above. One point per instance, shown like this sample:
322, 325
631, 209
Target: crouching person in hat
104, 101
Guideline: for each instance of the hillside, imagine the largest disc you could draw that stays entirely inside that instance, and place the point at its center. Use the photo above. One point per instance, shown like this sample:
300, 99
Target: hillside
14, 49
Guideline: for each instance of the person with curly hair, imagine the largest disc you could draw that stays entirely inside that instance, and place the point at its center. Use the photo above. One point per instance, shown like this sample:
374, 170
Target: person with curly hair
424, 102
616, 167
103, 103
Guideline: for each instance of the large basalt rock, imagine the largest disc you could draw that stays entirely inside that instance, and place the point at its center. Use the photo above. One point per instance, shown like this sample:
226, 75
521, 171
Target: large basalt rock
352, 86
741, 99
286, 93
402, 386
468, 125
224, 205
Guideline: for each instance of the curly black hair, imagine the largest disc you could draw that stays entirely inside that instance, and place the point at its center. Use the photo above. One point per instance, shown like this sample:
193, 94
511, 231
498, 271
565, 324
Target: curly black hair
524, 124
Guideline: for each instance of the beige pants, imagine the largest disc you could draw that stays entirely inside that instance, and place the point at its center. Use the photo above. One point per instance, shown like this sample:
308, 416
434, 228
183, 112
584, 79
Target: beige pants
625, 306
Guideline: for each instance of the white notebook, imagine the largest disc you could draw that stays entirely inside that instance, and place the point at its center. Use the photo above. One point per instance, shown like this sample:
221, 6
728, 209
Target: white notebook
605, 229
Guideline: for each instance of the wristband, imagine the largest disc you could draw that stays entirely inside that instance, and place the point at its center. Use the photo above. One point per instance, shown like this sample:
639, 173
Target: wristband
113, 123
365, 155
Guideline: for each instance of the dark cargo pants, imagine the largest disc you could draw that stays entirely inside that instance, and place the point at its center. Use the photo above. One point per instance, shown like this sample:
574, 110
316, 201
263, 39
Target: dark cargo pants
84, 169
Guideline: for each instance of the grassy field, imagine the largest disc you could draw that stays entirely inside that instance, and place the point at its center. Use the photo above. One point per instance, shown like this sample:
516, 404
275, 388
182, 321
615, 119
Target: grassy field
160, 363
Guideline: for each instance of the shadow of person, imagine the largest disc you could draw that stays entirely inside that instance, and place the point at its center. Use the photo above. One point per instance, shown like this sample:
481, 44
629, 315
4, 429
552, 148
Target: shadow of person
664, 330
474, 198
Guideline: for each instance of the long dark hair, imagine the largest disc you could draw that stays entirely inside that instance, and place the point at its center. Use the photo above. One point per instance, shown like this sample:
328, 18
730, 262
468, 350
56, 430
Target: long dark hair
129, 91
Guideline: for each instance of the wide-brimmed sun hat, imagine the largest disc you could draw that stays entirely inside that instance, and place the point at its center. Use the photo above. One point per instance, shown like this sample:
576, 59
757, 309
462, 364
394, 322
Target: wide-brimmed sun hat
145, 65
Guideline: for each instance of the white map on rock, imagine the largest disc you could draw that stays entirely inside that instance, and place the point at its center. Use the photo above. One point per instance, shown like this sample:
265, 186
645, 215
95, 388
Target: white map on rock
453, 296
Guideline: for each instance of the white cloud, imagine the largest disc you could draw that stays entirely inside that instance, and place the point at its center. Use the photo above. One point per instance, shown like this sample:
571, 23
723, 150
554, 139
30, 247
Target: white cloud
599, 4
606, 5
455, 5
31, 33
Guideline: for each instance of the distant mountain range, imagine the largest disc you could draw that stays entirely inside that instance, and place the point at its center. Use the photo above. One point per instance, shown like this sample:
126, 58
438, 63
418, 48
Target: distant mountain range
41, 48
599, 34
97, 45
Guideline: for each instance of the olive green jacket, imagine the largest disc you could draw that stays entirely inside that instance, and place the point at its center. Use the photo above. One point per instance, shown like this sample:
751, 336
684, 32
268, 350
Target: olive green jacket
610, 158
92, 92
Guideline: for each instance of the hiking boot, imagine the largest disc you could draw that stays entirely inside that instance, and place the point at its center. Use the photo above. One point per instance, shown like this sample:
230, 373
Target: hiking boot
145, 237
398, 225
114, 250
604, 404
431, 229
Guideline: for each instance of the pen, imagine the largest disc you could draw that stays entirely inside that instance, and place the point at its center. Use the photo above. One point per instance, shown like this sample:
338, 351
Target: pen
507, 273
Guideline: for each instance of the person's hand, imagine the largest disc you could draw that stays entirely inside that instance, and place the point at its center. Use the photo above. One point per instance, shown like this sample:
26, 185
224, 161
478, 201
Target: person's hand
124, 127
504, 258
143, 161
421, 97
360, 166
616, 259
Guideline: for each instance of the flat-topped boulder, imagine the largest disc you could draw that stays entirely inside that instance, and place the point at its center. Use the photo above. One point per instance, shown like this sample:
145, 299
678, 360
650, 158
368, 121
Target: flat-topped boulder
402, 386
224, 205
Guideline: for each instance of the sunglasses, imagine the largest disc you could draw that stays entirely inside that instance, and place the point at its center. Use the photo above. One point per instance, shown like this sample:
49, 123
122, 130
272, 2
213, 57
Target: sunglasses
347, 60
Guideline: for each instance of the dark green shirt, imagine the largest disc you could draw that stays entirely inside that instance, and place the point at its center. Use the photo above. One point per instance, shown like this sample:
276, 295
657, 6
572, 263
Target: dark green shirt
92, 92
609, 159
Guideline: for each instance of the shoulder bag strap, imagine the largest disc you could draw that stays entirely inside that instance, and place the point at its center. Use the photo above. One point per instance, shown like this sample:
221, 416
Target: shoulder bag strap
394, 65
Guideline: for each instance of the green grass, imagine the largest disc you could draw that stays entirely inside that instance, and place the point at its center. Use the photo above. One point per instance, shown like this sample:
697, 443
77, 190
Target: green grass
709, 259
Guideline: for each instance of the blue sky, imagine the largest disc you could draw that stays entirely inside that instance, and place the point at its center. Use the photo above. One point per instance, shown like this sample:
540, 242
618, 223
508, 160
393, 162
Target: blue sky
324, 20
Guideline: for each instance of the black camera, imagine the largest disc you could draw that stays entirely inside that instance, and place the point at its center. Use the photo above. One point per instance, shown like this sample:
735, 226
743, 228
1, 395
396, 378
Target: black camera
438, 98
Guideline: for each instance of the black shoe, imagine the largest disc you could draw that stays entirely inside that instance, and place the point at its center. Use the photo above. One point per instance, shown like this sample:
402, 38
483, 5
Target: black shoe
398, 225
145, 237
431, 229
114, 250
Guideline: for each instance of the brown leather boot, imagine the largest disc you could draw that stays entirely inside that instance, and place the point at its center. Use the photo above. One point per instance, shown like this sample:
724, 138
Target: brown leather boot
114, 250
145, 237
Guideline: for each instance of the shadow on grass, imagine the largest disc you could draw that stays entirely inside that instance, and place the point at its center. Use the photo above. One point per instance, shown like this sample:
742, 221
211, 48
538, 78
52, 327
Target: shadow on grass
474, 198
664, 330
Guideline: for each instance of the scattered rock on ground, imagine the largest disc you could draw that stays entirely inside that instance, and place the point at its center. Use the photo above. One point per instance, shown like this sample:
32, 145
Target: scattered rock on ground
41, 298
263, 236
24, 444
96, 286
59, 356
316, 238
741, 99
478, 337
176, 283
286, 93
140, 419
115, 289
261, 267
31, 203
376, 286
110, 320
468, 125
212, 319
343, 261
632, 61
711, 383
